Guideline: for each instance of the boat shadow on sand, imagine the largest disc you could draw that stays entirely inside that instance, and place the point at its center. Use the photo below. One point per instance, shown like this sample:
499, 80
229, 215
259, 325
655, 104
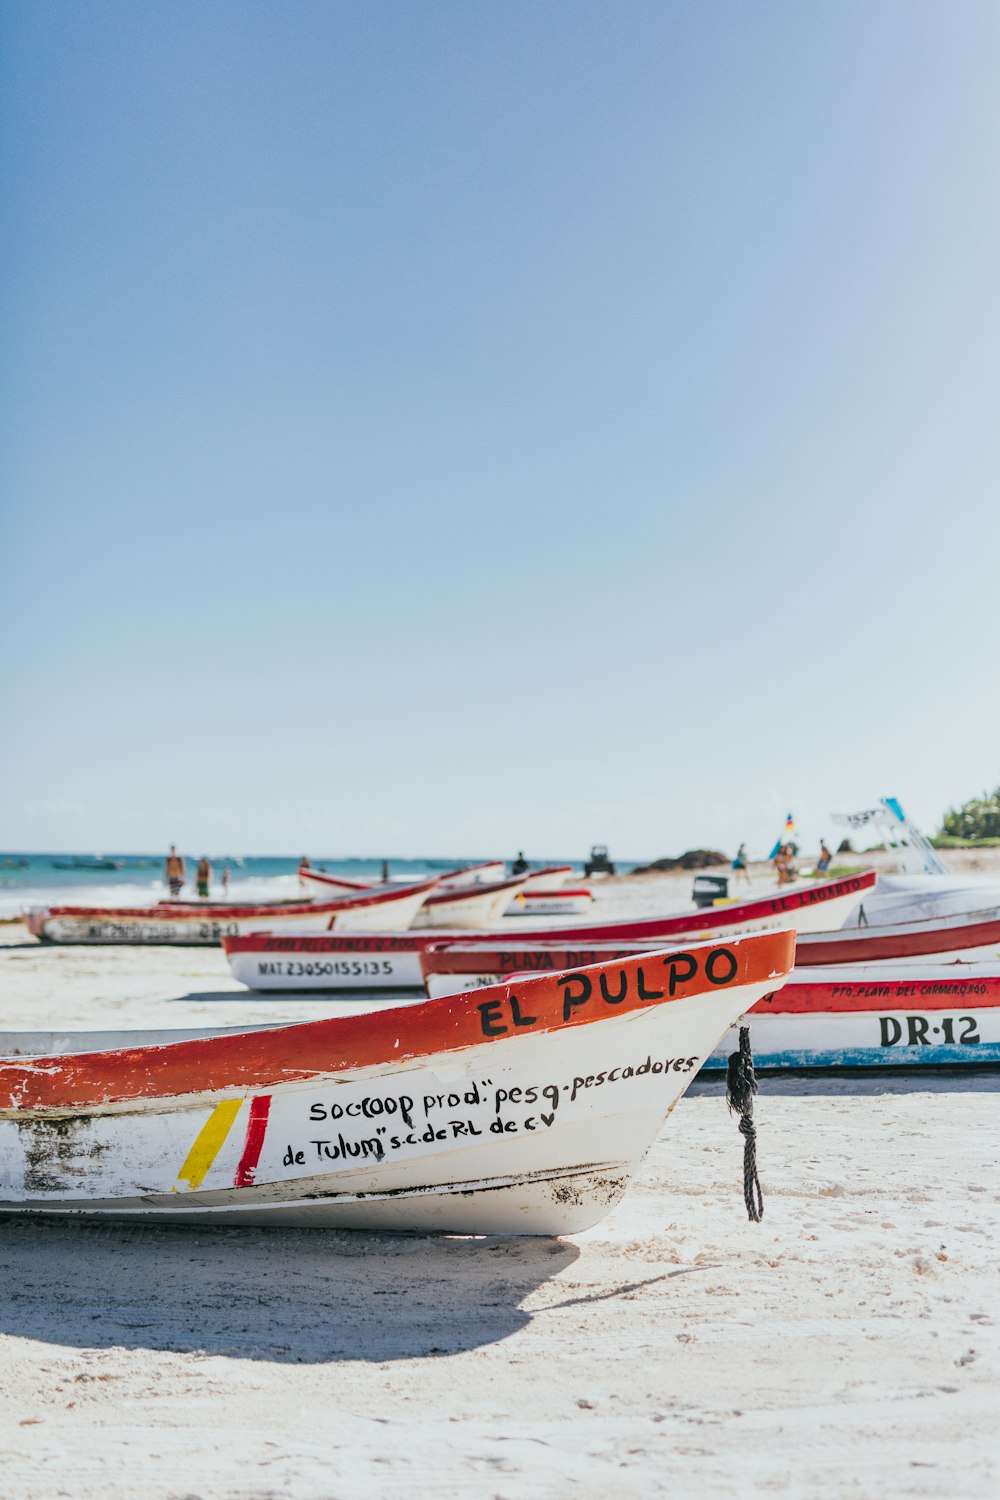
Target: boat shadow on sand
286, 1296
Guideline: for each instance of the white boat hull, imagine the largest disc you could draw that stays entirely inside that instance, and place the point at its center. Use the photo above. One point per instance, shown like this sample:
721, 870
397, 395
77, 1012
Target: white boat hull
467, 907
878, 1016
551, 904
190, 927
922, 898
366, 964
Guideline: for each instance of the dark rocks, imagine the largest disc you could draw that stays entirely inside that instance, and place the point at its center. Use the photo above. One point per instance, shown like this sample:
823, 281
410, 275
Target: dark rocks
694, 859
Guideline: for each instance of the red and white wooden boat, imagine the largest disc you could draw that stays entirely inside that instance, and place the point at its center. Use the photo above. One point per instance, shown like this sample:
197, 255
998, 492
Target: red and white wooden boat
476, 905
393, 960
317, 885
964, 934
548, 878
209, 922
488, 872
555, 903
517, 1110
870, 1015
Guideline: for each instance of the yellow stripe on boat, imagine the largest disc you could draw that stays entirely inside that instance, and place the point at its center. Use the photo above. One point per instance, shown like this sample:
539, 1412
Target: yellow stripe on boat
207, 1145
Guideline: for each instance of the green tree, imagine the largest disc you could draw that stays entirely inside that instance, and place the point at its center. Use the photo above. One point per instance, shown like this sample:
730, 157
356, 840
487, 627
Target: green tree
977, 819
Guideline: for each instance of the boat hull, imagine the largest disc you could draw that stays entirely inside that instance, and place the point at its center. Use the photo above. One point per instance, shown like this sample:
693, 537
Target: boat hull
471, 906
556, 903
516, 1112
207, 926
944, 1016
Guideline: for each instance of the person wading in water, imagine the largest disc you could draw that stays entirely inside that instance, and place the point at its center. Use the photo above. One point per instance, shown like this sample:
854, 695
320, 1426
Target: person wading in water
174, 871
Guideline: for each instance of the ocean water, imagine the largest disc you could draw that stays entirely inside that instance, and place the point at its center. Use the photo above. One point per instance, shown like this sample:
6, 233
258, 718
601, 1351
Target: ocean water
137, 879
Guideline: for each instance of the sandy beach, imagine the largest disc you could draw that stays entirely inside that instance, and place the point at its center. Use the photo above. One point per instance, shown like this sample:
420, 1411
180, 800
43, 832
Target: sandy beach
847, 1346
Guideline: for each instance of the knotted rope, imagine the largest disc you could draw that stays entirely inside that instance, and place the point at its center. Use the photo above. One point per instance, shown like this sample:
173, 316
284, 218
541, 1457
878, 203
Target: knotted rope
741, 1085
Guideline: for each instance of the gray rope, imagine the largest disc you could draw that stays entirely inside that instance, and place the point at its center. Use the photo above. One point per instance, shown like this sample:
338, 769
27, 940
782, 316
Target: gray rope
741, 1085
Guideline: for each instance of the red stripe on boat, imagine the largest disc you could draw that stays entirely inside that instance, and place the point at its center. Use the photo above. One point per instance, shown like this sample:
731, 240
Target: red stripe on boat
874, 995
260, 1108
470, 892
913, 940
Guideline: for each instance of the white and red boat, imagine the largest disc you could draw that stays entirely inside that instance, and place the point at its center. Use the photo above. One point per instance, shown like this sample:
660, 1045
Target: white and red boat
548, 878
873, 1016
555, 903
317, 885
516, 1110
208, 922
487, 872
964, 934
476, 905
393, 960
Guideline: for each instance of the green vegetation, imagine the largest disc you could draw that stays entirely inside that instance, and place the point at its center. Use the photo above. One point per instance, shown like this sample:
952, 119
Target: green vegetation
841, 872
948, 841
974, 823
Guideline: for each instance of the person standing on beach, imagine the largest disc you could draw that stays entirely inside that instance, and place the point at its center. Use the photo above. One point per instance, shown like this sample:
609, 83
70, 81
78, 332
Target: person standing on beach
174, 871
203, 879
825, 858
740, 866
225, 880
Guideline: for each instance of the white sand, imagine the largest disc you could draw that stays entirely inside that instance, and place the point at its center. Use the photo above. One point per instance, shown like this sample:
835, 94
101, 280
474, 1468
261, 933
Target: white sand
848, 1346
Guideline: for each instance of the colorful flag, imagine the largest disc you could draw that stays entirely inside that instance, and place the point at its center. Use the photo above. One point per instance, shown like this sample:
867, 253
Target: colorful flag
788, 837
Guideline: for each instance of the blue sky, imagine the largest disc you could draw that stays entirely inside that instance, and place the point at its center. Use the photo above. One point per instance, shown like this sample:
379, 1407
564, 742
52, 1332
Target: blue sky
443, 427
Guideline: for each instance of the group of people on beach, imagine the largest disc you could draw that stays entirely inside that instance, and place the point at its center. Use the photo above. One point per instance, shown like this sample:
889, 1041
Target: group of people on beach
785, 867
175, 874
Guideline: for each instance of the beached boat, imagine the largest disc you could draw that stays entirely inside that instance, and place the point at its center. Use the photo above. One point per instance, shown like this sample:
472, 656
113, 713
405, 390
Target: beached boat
317, 885
393, 960
965, 934
923, 898
475, 905
548, 878
487, 872
555, 903
877, 1016
516, 1110
209, 922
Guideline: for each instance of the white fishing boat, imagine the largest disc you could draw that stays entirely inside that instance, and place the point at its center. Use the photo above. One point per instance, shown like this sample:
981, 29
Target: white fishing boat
555, 903
516, 1110
878, 1015
476, 905
317, 885
921, 888
487, 872
966, 934
394, 960
207, 923
548, 878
